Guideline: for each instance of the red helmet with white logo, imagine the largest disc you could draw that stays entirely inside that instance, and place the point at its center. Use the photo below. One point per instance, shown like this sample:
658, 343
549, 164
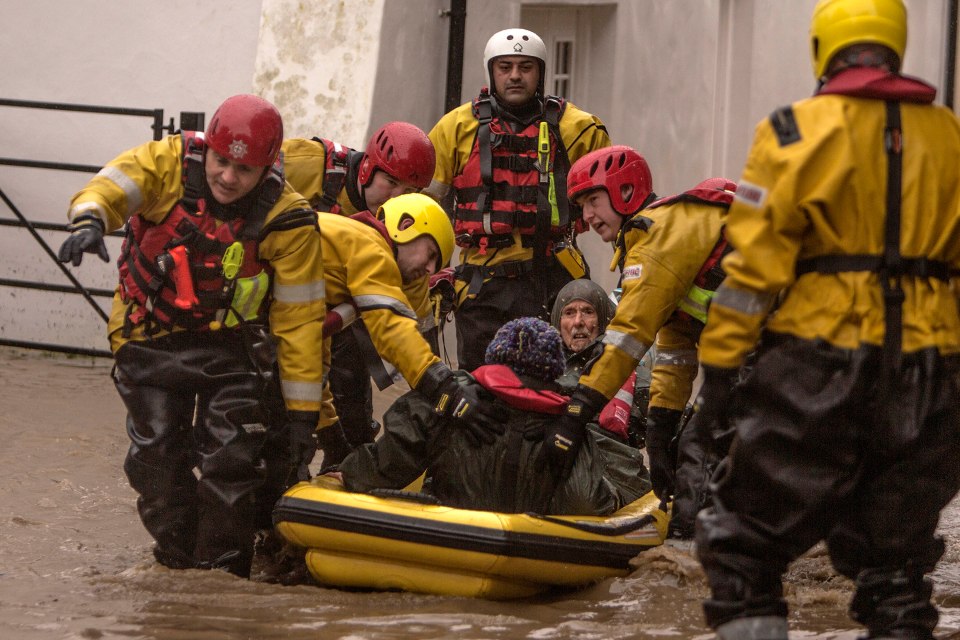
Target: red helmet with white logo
402, 150
246, 129
612, 169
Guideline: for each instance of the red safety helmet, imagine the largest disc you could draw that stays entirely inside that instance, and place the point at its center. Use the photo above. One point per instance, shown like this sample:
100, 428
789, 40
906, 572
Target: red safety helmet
402, 150
718, 184
611, 169
246, 129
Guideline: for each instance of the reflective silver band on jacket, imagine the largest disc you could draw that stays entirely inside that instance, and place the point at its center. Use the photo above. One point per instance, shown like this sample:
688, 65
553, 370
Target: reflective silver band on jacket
676, 357
371, 302
426, 323
300, 293
626, 343
304, 391
129, 187
751, 303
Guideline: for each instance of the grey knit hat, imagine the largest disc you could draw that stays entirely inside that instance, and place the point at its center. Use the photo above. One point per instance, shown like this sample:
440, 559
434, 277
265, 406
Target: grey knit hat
591, 293
530, 347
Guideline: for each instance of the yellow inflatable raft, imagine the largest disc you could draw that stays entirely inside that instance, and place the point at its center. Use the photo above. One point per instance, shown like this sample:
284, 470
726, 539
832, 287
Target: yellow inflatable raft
360, 540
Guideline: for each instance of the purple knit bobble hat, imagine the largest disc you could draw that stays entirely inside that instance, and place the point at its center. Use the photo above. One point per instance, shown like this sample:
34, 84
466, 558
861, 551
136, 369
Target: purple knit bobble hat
530, 347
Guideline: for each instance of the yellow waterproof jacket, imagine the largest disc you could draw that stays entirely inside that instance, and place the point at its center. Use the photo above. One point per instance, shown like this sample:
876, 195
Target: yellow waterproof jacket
359, 265
665, 249
818, 187
305, 166
453, 138
146, 181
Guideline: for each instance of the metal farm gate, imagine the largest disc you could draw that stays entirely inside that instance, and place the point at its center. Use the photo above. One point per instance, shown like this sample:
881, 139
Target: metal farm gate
188, 121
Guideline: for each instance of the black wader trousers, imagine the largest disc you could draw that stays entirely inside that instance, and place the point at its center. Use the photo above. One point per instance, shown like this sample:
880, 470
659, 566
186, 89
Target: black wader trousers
194, 400
824, 452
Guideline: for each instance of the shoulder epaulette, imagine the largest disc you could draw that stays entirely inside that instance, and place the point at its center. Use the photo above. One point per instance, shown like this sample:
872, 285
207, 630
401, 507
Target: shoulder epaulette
785, 126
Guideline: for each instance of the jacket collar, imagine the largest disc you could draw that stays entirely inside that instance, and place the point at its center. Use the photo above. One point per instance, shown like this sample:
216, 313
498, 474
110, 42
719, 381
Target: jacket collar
868, 82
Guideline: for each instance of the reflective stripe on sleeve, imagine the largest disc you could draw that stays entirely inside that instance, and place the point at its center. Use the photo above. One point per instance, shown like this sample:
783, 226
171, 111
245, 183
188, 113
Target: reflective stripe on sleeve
626, 343
677, 357
305, 391
130, 188
87, 207
624, 396
751, 303
426, 323
371, 302
299, 293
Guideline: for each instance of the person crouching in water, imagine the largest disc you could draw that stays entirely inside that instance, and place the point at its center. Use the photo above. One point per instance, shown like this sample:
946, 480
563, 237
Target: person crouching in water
505, 473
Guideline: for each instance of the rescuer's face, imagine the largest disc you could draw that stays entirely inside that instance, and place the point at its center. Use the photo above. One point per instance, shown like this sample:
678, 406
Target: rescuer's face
515, 78
599, 214
229, 180
417, 258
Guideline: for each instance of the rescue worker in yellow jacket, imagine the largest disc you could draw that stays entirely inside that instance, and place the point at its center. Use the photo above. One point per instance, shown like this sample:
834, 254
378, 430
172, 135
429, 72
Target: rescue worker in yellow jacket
217, 244
398, 159
668, 252
503, 158
847, 428
366, 260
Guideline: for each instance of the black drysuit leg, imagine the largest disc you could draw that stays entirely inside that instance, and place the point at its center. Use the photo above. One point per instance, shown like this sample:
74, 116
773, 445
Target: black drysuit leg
158, 381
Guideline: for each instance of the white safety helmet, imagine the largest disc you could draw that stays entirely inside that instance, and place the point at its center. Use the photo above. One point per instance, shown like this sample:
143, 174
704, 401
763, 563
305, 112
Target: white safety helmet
515, 42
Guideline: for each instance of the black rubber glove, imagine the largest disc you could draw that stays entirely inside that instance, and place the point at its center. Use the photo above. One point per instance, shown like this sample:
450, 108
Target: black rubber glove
710, 410
86, 236
662, 426
459, 396
333, 442
302, 436
562, 441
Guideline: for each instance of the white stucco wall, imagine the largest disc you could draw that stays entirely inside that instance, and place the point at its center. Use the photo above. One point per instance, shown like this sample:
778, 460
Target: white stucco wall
317, 60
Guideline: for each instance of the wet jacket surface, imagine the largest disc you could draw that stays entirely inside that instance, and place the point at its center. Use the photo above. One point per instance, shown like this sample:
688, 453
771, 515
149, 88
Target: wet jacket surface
359, 264
824, 194
304, 165
502, 476
665, 248
146, 181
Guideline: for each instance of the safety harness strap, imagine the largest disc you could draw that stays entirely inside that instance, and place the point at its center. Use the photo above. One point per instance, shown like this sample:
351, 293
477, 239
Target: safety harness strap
838, 263
484, 112
892, 270
891, 266
334, 176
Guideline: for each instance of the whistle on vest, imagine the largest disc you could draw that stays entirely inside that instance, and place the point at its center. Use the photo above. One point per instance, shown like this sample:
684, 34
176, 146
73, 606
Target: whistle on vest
232, 260
543, 152
176, 265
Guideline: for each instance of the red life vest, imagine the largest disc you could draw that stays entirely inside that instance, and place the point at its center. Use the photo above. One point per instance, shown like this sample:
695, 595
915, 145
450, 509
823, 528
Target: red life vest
144, 282
501, 381
500, 188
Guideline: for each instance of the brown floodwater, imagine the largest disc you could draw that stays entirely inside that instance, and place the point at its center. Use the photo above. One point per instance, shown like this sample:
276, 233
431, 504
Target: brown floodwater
75, 562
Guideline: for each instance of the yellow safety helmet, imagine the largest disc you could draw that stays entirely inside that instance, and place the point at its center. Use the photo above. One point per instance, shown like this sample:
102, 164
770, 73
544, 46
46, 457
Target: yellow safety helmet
837, 24
427, 217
